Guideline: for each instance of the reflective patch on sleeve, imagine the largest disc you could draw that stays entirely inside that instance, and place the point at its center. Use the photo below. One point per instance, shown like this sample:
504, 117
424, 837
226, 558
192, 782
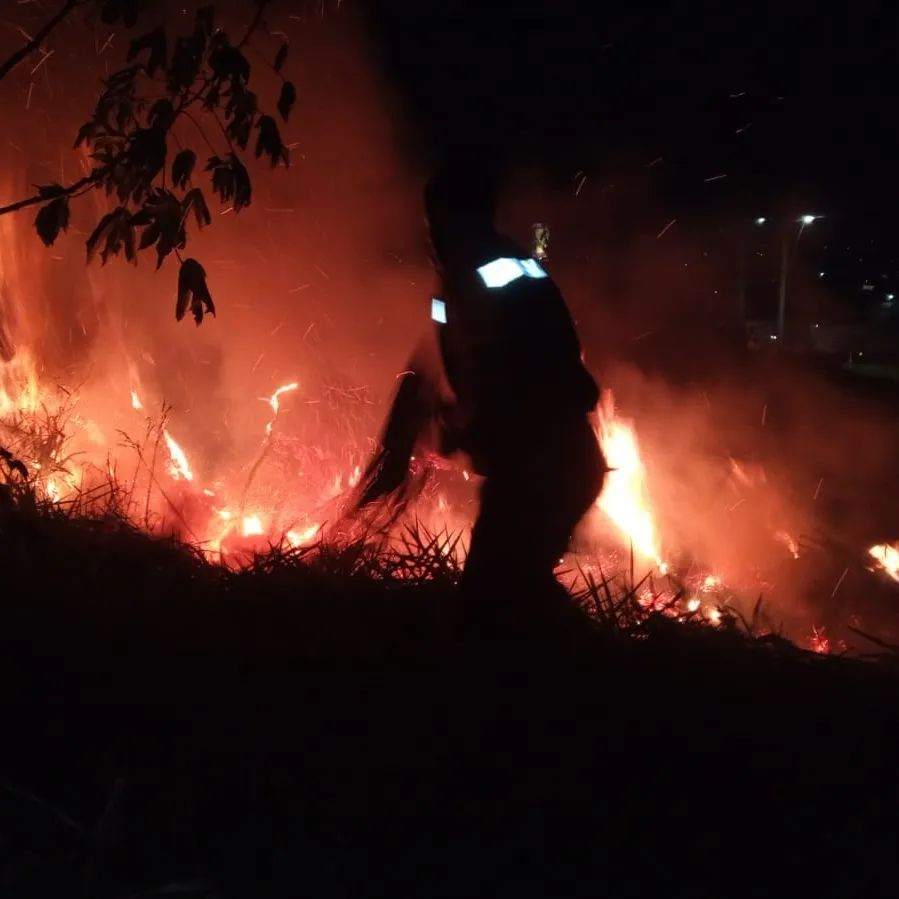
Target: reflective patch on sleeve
533, 269
504, 271
438, 311
500, 272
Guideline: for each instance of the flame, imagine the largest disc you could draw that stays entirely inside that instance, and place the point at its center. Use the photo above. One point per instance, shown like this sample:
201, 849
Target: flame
301, 538
625, 497
251, 526
52, 491
887, 558
819, 641
180, 467
135, 401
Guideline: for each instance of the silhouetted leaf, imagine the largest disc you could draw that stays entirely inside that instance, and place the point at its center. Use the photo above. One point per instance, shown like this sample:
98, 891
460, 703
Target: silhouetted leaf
161, 115
230, 180
194, 200
51, 219
156, 42
116, 232
240, 109
85, 132
186, 61
182, 168
280, 57
97, 234
229, 64
287, 99
163, 211
193, 291
269, 141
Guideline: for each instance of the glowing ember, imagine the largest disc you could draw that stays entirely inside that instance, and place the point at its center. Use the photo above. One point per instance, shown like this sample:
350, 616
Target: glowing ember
625, 497
180, 467
135, 401
887, 558
711, 583
693, 604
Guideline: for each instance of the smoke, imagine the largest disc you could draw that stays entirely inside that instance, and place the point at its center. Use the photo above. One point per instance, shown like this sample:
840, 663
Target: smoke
324, 280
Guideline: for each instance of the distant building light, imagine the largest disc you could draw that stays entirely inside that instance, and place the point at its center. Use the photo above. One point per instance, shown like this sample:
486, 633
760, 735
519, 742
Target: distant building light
891, 297
867, 287
773, 336
761, 220
820, 274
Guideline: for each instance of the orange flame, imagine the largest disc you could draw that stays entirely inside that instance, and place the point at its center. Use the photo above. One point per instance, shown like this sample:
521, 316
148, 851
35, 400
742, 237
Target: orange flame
887, 558
625, 497
180, 467
252, 526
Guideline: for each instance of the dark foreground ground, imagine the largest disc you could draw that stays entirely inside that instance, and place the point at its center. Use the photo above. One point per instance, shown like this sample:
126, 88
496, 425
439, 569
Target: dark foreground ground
300, 732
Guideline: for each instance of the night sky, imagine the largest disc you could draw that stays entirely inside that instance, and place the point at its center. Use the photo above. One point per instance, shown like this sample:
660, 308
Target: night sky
793, 103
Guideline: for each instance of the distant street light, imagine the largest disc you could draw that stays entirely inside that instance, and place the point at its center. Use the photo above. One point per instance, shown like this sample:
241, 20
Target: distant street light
761, 220
808, 219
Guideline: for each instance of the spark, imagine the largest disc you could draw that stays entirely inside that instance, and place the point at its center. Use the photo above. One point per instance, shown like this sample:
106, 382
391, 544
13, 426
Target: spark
818, 489
28, 98
662, 232
44, 58
764, 414
135, 401
298, 289
655, 161
839, 582
788, 542
274, 399
713, 178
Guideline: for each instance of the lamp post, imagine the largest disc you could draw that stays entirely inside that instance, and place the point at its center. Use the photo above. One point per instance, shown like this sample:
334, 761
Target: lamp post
804, 221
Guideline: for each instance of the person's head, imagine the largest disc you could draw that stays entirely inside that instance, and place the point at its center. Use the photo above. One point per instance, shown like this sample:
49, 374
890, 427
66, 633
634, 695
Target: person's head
460, 204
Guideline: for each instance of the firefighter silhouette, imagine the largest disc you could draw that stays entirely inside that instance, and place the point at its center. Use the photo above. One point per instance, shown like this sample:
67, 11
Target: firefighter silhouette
510, 390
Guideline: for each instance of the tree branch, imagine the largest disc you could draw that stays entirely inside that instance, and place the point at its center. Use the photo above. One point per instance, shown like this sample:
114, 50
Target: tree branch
29, 48
74, 187
254, 24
